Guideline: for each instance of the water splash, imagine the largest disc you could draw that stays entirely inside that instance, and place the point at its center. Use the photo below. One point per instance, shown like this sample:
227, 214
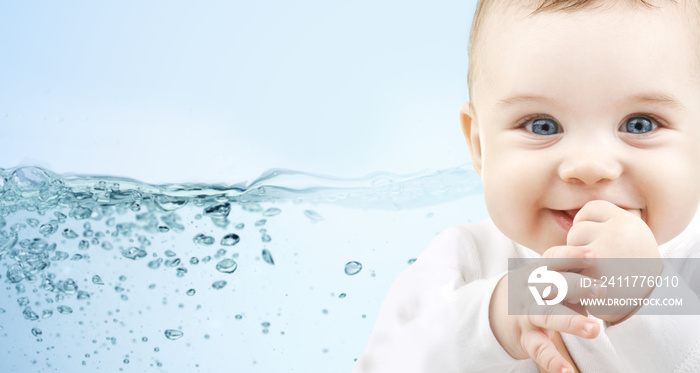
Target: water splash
65, 238
36, 189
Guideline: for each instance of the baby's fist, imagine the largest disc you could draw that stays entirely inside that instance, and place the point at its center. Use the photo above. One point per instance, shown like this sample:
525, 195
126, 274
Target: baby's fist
612, 232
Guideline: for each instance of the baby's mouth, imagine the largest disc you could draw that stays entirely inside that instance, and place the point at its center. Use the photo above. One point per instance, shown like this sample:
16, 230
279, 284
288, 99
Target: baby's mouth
571, 213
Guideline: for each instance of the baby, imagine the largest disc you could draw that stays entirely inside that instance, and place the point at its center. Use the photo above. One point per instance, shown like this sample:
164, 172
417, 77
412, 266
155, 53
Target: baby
584, 125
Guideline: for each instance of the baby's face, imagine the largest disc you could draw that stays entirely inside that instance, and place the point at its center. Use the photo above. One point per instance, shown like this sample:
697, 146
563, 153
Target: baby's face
591, 105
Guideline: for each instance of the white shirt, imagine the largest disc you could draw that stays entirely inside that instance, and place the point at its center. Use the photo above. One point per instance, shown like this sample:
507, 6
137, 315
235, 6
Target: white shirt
435, 317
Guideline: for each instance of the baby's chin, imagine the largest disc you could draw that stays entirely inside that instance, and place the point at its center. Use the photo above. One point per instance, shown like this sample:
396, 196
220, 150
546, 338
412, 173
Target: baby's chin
542, 247
539, 244
539, 234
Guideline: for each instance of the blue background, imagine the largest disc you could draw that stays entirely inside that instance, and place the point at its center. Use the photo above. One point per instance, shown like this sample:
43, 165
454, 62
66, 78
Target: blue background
219, 91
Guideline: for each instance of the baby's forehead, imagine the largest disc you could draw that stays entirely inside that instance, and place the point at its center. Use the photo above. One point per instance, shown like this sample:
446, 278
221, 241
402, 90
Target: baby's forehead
493, 16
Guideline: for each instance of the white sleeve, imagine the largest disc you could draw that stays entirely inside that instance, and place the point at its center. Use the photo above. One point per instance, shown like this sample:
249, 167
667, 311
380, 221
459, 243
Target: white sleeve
433, 320
674, 345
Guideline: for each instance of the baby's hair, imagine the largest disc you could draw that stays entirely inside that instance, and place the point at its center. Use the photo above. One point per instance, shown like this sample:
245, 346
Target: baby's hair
487, 8
573, 5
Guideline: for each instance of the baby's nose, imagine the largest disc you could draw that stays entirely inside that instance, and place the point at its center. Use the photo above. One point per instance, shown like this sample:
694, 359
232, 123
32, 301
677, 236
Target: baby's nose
590, 165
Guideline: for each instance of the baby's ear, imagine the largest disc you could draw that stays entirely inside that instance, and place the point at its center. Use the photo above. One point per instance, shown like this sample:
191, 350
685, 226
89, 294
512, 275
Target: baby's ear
470, 127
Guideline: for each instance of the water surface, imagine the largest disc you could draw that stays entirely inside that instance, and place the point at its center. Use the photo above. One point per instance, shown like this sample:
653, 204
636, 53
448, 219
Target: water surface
285, 273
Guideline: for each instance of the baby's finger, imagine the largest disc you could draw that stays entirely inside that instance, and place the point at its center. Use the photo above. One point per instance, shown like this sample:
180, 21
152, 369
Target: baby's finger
541, 349
583, 233
565, 320
582, 287
598, 211
576, 307
564, 258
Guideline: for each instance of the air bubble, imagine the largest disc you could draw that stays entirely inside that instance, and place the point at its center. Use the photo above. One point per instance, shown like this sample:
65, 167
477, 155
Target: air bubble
69, 286
173, 334
28, 181
272, 211
218, 285
47, 229
80, 212
267, 257
230, 239
155, 264
220, 211
82, 295
227, 266
60, 216
313, 215
353, 268
69, 233
29, 314
203, 239
134, 253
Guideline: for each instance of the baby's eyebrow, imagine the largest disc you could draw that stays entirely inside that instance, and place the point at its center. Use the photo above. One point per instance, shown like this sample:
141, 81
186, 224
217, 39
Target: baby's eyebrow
517, 98
652, 98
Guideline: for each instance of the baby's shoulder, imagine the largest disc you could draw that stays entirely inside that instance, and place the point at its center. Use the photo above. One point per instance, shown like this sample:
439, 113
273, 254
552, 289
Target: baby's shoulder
472, 237
472, 245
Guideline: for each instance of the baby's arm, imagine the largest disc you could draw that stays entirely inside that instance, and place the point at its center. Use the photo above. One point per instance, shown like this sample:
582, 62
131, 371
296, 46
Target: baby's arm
435, 316
658, 343
529, 335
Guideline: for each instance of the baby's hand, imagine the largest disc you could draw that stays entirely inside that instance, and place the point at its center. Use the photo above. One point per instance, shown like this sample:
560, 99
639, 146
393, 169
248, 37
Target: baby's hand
612, 232
529, 335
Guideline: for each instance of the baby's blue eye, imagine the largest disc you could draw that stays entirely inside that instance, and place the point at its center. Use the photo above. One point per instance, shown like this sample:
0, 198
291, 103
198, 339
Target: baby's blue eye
638, 125
543, 126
